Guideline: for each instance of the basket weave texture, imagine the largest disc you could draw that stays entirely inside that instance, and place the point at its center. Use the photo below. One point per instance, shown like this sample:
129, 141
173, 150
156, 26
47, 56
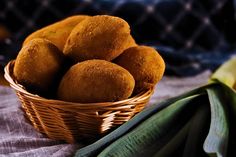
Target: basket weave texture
71, 122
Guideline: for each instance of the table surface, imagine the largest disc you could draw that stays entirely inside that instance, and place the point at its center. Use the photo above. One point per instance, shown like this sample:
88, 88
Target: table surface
19, 138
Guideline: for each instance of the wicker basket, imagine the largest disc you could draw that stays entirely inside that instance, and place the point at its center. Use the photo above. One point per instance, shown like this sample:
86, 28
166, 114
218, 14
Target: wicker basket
75, 121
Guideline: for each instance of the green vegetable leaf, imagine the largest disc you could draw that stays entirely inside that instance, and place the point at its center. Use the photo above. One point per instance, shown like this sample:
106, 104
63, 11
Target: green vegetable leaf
226, 73
217, 140
151, 133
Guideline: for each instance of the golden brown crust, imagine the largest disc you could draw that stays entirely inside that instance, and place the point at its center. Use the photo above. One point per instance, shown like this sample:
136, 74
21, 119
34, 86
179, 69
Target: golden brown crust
38, 64
99, 37
57, 32
144, 63
130, 42
96, 81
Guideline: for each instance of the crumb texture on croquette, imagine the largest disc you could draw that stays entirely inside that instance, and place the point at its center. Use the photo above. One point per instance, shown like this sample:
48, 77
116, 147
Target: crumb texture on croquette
96, 81
57, 32
87, 59
99, 37
37, 65
144, 63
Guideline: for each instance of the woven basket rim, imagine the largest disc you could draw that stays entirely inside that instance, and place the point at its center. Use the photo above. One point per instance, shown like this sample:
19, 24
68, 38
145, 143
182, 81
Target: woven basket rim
20, 88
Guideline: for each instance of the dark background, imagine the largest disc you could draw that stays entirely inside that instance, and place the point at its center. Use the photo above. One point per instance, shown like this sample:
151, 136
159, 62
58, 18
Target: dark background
191, 35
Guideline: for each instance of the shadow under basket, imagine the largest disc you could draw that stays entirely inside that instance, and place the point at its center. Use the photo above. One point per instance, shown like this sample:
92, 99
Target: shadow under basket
73, 122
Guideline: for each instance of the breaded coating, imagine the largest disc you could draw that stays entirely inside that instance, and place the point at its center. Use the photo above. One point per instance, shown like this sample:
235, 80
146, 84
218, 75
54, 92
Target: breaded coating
145, 64
99, 37
57, 32
130, 42
94, 81
38, 65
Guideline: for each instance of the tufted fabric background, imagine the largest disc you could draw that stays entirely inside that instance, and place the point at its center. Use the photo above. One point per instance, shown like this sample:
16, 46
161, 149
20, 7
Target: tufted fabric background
192, 35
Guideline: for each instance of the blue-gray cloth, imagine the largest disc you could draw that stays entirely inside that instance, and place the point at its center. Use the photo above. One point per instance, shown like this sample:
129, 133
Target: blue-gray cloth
191, 35
18, 138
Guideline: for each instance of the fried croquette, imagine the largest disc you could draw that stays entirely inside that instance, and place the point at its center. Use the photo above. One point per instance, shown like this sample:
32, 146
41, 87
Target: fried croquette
99, 37
38, 65
94, 81
131, 42
145, 64
58, 32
